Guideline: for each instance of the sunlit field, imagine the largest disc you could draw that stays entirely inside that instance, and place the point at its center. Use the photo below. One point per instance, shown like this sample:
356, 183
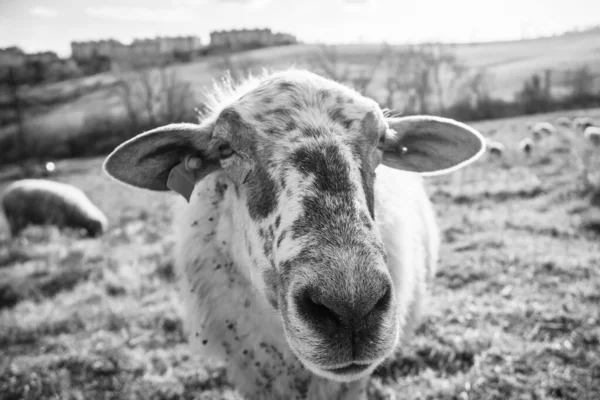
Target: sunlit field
513, 314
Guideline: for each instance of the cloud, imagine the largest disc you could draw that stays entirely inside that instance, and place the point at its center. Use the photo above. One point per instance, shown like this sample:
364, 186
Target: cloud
358, 5
169, 15
226, 3
42, 11
246, 3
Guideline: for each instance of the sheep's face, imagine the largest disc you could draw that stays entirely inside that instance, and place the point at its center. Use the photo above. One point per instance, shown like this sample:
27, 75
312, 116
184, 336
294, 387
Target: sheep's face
300, 153
302, 168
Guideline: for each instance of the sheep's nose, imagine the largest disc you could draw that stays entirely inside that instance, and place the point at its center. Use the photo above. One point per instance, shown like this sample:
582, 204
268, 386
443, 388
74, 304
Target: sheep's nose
331, 312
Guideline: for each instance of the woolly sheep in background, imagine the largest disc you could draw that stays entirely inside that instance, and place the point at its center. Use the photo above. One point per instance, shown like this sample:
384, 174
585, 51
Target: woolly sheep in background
44, 202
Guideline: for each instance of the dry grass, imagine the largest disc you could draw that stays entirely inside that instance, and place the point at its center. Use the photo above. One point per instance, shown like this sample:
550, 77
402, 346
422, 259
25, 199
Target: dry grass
513, 314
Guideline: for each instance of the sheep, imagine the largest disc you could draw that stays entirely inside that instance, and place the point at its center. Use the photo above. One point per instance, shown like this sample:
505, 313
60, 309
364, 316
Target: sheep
582, 123
565, 122
297, 268
542, 129
592, 135
44, 202
526, 146
495, 148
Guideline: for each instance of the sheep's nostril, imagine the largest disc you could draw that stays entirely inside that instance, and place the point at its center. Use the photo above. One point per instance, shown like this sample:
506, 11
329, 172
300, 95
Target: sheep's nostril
384, 302
314, 311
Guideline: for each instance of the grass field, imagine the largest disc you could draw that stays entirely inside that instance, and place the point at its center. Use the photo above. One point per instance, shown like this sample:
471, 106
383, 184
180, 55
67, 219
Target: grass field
508, 65
513, 315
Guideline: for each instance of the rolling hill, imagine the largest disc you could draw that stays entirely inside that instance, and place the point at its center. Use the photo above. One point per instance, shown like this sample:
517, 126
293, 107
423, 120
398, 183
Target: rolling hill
507, 64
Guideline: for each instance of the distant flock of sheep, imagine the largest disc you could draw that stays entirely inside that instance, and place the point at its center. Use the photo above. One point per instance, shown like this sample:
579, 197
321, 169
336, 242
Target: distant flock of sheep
583, 126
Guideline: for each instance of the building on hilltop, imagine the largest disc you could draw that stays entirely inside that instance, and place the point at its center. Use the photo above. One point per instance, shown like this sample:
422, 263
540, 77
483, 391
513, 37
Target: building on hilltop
245, 38
156, 47
12, 57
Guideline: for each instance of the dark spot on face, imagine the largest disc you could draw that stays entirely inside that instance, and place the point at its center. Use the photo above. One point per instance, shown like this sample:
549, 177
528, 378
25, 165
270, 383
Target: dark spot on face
324, 94
290, 126
204, 342
272, 131
280, 112
327, 164
245, 352
337, 115
280, 238
277, 221
218, 267
286, 86
320, 219
195, 223
220, 188
259, 117
268, 237
262, 194
230, 327
211, 219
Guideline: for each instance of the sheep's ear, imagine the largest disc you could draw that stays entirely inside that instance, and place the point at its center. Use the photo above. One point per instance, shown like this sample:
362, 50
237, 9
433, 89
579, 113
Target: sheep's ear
430, 145
146, 160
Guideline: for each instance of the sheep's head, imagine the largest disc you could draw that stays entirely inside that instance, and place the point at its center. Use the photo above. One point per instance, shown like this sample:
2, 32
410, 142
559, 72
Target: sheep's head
94, 229
299, 153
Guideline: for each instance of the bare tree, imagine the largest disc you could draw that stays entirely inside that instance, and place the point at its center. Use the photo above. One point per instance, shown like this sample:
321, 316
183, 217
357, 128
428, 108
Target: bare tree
404, 79
177, 99
581, 82
154, 96
367, 72
328, 62
475, 87
420, 74
444, 71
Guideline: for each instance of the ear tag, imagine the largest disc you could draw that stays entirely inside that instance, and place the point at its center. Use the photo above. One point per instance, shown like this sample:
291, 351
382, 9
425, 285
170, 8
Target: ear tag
182, 179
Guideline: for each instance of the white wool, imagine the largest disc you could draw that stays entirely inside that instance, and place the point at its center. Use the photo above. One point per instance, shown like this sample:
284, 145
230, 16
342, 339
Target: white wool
55, 200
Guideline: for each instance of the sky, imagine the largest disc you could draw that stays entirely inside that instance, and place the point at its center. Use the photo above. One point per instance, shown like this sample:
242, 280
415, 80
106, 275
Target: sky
37, 25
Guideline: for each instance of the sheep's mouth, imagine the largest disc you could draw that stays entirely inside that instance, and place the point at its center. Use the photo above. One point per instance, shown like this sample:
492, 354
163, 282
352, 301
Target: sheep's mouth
349, 369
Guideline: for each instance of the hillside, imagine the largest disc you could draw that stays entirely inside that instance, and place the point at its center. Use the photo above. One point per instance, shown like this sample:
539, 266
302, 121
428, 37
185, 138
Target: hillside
508, 63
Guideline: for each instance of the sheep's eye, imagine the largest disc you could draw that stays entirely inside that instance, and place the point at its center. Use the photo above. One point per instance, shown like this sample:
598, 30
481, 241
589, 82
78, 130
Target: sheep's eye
225, 150
381, 143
